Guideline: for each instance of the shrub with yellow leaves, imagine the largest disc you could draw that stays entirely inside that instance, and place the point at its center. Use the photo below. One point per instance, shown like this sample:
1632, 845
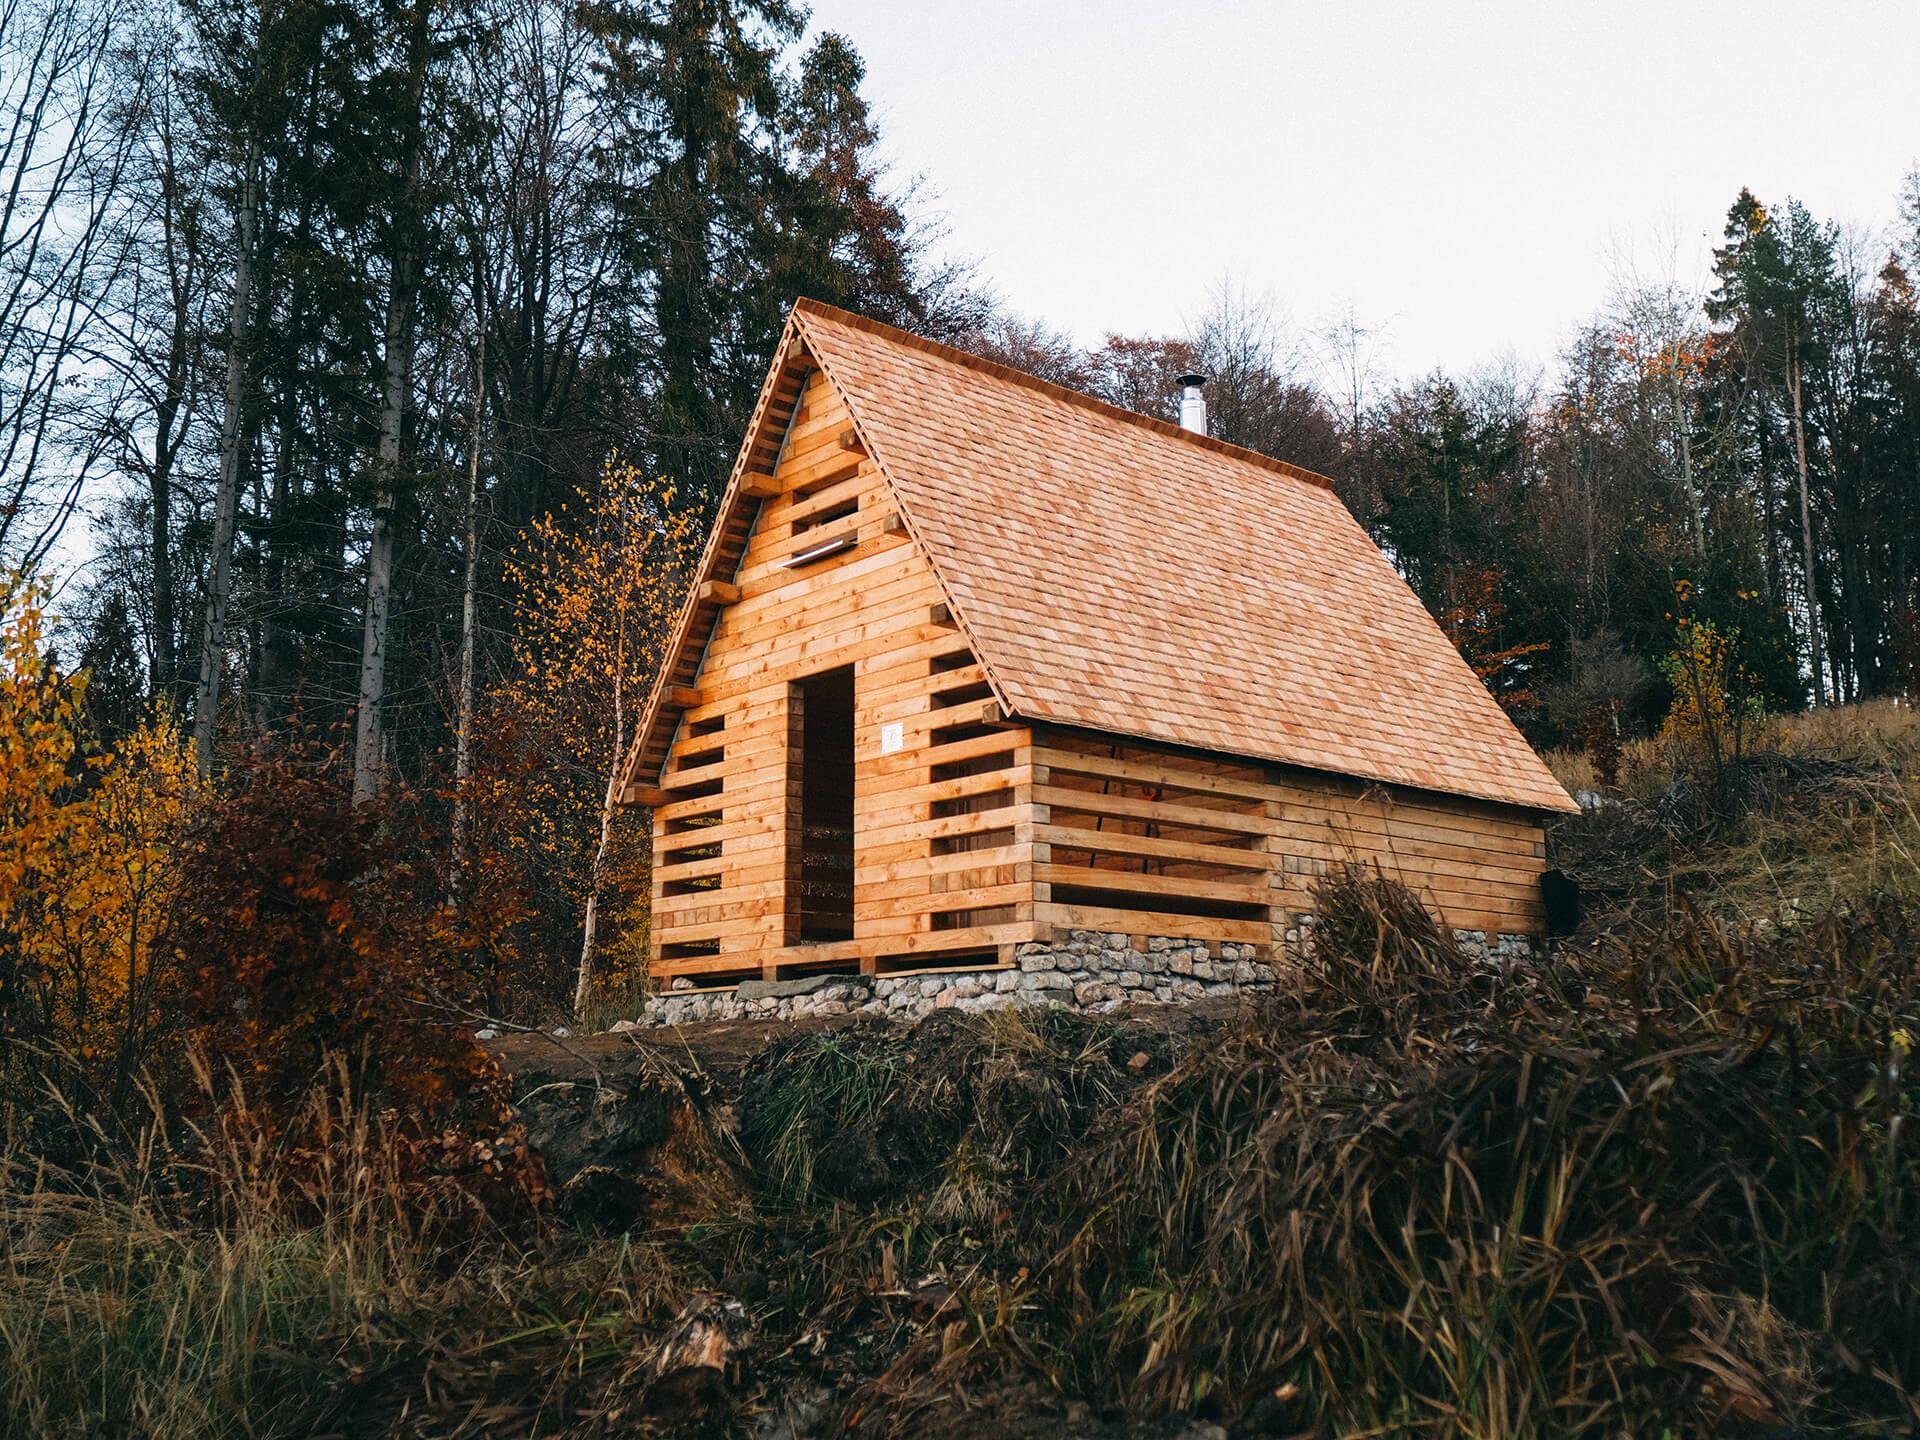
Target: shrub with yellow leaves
1714, 699
597, 590
118, 856
39, 747
87, 866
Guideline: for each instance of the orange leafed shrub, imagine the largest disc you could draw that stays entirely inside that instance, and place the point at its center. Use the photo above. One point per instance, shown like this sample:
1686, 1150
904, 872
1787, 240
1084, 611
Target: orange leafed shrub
39, 746
1475, 623
311, 928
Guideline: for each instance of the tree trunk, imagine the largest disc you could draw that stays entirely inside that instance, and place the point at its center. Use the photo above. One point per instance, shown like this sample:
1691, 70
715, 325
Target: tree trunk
590, 929
1696, 527
165, 662
469, 636
206, 711
609, 806
1806, 529
368, 752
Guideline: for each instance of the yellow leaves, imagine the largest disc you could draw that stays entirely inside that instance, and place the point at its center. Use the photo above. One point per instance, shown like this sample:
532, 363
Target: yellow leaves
597, 588
87, 844
39, 711
1702, 669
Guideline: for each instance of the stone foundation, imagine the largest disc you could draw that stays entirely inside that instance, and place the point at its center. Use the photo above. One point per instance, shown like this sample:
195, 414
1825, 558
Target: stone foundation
1089, 970
1496, 949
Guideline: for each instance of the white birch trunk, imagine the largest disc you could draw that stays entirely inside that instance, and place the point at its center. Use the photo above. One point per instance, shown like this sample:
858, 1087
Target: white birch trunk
469, 635
609, 807
367, 751
1806, 532
213, 633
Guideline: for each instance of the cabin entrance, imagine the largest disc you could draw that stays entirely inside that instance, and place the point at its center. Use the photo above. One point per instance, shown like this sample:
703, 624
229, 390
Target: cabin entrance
820, 827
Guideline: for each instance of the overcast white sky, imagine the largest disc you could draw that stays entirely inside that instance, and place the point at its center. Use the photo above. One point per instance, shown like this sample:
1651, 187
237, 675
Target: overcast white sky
1460, 169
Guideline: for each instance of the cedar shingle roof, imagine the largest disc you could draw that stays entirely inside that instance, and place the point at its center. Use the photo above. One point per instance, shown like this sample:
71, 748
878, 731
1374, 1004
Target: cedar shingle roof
1118, 573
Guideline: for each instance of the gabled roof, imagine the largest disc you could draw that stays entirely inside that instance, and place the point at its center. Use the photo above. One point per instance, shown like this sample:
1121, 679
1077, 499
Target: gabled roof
1118, 573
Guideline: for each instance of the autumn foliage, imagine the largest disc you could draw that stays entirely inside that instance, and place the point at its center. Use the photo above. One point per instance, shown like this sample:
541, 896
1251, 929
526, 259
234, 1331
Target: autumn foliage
1475, 623
598, 587
89, 871
314, 931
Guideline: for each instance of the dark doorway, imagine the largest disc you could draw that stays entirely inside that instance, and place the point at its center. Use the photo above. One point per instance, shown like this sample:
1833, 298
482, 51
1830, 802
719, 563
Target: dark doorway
821, 843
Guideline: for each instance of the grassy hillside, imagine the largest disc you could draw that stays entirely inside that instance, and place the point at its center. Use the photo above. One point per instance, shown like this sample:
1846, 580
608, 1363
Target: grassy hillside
1660, 1185
1820, 811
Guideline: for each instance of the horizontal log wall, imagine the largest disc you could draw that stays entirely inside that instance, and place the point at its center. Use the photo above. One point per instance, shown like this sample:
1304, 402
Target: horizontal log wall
942, 865
1146, 840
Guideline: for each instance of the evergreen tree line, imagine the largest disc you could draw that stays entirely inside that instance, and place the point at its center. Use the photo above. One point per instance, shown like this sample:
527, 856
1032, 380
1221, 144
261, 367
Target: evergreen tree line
1741, 463
328, 316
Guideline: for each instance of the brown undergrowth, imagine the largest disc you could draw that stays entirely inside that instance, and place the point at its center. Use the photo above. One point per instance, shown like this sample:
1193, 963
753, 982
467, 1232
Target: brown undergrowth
1659, 1183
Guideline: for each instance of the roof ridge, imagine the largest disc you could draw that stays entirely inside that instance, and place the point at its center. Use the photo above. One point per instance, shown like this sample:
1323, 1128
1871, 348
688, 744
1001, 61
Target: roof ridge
805, 304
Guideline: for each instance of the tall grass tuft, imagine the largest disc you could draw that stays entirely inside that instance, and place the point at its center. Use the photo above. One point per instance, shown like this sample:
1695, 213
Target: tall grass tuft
1651, 1189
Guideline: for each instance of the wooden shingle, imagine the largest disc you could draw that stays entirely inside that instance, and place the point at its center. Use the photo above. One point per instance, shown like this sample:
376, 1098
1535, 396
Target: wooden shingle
1118, 574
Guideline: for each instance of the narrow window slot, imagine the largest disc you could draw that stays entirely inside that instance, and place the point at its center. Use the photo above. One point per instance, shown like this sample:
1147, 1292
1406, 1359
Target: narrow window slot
691, 950
961, 695
697, 885
701, 791
979, 765
842, 511
968, 844
825, 550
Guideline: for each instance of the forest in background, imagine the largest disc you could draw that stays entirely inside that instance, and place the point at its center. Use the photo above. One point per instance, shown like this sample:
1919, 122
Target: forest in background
386, 359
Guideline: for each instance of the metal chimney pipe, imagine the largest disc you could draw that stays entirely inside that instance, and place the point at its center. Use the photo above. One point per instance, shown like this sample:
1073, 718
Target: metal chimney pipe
1193, 405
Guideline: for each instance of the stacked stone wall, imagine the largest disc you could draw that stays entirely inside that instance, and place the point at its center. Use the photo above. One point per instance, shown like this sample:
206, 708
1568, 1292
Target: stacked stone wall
1089, 970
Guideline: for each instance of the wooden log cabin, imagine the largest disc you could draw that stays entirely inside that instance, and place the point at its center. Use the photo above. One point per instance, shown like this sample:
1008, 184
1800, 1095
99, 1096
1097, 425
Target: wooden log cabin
973, 659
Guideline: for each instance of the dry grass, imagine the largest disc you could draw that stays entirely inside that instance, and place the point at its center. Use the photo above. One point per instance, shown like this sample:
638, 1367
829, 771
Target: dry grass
1647, 1191
1660, 1185
203, 1286
1824, 809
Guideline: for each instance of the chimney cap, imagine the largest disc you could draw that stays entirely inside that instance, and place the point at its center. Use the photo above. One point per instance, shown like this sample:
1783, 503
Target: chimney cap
1192, 377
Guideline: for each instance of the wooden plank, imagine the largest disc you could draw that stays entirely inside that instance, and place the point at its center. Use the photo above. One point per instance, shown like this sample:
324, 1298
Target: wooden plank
719, 592
1245, 892
1113, 842
1143, 922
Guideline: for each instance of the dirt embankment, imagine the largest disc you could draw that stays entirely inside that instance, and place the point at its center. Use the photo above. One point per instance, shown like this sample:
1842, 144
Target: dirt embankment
644, 1128
772, 1164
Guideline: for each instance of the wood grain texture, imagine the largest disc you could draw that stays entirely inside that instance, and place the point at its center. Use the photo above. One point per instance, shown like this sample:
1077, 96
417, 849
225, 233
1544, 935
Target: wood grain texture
1081, 696
938, 865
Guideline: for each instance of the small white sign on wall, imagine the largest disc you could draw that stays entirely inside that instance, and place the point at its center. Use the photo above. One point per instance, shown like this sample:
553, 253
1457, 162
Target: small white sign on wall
893, 737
